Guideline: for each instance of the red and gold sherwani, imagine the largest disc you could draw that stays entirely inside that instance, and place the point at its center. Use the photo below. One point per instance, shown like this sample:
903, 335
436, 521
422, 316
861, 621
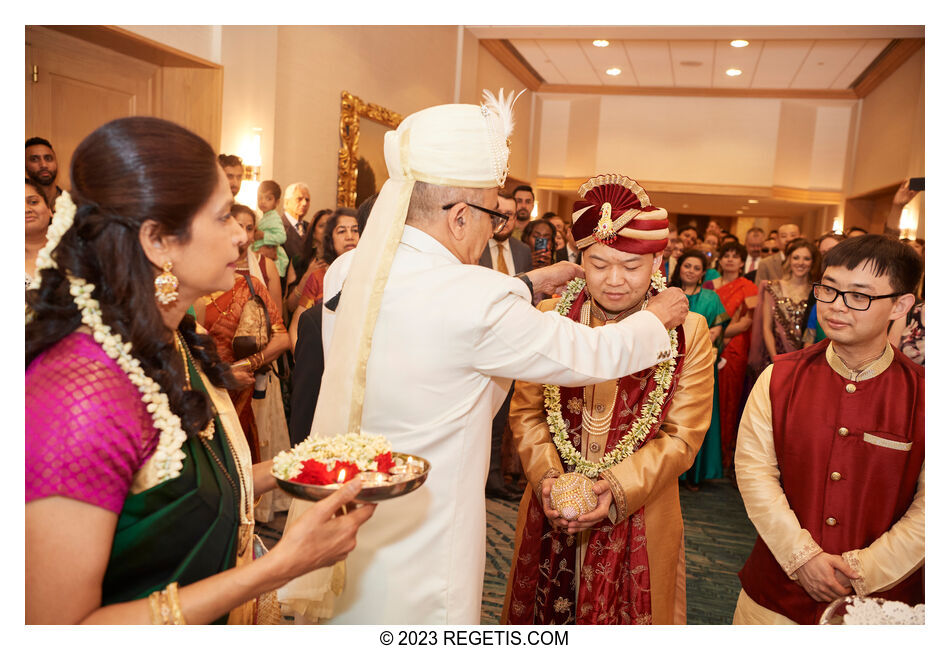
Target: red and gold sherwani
629, 569
832, 460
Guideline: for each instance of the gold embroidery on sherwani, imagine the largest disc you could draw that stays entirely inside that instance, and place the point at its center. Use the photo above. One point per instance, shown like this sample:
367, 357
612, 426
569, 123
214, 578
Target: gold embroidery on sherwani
854, 561
800, 557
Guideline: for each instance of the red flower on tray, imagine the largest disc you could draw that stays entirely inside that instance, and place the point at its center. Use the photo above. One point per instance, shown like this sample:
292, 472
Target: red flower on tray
315, 472
385, 462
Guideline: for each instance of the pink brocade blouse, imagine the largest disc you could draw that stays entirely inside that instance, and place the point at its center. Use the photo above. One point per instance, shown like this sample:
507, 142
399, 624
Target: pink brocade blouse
87, 428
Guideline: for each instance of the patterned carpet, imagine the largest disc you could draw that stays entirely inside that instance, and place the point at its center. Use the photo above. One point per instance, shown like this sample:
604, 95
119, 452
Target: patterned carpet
719, 538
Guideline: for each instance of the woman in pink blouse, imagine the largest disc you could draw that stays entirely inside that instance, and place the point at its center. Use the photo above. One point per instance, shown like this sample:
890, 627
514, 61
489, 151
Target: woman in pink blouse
139, 486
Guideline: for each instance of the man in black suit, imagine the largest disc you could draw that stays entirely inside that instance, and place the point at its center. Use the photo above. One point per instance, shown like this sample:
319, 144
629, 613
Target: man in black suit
299, 244
507, 255
515, 255
308, 372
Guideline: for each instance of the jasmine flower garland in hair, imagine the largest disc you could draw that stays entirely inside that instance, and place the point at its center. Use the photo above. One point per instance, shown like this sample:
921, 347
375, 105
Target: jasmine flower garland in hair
168, 455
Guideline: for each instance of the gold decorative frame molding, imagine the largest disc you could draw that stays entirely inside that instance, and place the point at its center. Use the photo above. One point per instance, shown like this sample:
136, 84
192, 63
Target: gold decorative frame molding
352, 108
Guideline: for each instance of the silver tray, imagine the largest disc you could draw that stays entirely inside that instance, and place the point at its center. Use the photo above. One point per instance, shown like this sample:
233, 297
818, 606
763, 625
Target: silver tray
400, 482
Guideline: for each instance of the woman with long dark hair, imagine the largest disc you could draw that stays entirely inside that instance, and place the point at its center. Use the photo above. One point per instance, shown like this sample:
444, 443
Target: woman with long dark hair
738, 296
342, 233
688, 275
139, 485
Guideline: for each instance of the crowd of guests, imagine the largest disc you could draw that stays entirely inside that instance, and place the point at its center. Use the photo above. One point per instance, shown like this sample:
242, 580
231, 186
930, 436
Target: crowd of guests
755, 296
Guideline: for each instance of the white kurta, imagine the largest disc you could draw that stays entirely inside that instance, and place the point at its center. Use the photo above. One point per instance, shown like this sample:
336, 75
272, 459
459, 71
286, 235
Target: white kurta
448, 340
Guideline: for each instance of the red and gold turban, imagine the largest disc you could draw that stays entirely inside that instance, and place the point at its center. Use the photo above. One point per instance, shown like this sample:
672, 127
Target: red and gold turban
614, 210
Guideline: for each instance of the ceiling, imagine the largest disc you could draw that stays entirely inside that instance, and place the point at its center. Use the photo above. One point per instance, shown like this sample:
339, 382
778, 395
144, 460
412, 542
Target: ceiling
810, 58
815, 61
764, 64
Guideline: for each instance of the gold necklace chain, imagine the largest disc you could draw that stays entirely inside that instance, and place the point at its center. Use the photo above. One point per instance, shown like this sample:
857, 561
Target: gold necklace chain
207, 434
595, 425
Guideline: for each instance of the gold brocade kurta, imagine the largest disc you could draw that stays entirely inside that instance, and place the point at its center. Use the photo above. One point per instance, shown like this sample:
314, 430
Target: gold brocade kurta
648, 477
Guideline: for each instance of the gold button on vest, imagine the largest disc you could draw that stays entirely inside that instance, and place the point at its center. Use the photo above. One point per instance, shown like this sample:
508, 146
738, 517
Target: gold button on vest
594, 447
836, 476
599, 408
831, 521
850, 388
843, 432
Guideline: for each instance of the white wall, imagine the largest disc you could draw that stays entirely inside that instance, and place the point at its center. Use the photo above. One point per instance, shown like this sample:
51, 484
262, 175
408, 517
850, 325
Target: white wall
200, 40
705, 140
249, 58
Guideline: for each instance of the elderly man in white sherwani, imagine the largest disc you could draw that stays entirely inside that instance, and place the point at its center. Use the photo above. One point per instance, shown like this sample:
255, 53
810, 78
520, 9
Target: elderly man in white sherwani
423, 347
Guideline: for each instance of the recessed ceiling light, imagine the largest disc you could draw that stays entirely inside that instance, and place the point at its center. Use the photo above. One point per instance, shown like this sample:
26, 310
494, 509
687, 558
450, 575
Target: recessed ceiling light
739, 43
601, 43
733, 72
753, 201
738, 211
613, 72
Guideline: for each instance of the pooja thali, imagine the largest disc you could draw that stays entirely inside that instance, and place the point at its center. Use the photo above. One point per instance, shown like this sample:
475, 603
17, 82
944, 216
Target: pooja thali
407, 476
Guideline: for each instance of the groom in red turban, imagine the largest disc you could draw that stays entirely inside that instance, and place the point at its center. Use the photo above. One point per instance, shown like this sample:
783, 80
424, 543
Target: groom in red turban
624, 562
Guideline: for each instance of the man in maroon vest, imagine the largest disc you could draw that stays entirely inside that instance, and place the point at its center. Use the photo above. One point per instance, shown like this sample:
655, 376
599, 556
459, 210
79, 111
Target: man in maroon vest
830, 453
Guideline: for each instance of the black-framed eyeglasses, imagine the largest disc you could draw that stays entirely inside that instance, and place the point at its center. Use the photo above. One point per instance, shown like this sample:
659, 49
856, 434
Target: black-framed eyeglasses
498, 220
770, 250
852, 299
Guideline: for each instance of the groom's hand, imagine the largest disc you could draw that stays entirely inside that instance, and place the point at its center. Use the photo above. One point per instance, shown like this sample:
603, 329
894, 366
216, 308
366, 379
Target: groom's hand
554, 517
604, 499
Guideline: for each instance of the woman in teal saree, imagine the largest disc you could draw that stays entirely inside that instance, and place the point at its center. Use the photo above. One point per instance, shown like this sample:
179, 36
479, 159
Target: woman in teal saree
688, 275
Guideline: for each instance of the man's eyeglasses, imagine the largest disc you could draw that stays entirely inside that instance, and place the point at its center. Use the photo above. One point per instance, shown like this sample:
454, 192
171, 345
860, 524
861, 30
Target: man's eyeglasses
769, 250
498, 220
852, 299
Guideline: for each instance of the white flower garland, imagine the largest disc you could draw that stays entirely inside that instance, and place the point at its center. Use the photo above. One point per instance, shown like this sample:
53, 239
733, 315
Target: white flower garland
663, 375
64, 211
168, 455
350, 447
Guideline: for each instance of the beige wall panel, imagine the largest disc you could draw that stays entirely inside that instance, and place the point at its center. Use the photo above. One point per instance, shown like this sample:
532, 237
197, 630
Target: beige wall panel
493, 76
794, 149
249, 57
584, 127
404, 69
890, 134
690, 139
830, 147
555, 117
201, 40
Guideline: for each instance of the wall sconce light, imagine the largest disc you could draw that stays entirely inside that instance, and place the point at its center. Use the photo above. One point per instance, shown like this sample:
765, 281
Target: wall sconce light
251, 155
837, 225
908, 224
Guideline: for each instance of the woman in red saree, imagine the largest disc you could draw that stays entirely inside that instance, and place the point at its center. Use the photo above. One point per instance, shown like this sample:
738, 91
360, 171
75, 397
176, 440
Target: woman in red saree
738, 296
220, 314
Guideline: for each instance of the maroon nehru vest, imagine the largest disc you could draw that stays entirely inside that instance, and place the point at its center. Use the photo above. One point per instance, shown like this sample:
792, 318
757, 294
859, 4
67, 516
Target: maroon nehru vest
849, 454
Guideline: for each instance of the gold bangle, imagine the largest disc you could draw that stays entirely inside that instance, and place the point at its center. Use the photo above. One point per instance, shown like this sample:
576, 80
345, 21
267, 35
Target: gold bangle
242, 363
171, 594
155, 606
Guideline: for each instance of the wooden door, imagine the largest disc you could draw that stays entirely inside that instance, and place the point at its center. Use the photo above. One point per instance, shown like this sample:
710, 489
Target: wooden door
80, 86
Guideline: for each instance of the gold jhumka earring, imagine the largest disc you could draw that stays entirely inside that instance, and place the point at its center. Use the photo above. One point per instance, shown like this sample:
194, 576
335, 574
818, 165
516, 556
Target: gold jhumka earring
166, 285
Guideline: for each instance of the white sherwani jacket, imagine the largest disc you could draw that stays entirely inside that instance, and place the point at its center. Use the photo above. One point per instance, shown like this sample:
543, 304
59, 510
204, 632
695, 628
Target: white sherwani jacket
448, 340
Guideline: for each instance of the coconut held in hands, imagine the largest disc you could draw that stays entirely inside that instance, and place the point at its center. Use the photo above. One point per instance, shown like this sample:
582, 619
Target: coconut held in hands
572, 495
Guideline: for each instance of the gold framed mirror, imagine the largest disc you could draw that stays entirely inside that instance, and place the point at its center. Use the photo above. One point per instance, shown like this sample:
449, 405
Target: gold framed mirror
369, 160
